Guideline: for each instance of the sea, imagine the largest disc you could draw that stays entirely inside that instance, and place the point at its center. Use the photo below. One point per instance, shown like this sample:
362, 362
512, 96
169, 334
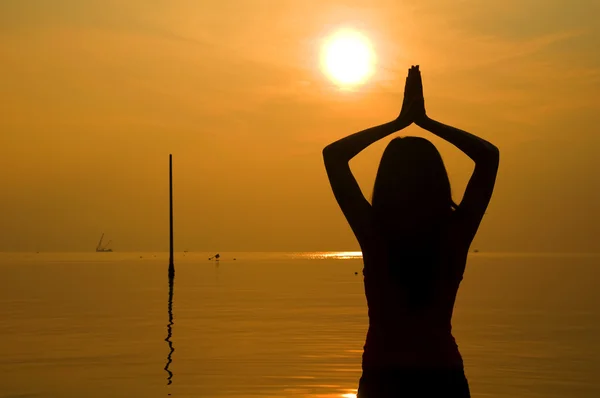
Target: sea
278, 325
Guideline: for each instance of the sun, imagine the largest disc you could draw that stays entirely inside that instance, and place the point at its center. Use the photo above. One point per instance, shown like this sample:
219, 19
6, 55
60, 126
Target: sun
348, 57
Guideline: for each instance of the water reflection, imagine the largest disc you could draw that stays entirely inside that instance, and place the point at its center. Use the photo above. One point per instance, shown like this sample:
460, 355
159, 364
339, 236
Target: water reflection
170, 328
334, 395
331, 256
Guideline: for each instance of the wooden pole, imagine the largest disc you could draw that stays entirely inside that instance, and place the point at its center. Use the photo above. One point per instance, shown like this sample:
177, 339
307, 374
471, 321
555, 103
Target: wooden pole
171, 265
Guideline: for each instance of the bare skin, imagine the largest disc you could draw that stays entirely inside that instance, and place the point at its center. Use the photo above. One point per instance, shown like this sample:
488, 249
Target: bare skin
355, 206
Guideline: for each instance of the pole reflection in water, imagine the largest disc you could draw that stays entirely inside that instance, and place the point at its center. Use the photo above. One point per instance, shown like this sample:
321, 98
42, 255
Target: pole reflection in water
170, 326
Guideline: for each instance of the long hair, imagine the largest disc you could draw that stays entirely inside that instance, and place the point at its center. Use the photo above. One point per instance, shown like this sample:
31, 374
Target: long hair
412, 204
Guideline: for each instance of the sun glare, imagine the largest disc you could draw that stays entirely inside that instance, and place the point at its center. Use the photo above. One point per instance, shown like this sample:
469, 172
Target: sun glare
348, 58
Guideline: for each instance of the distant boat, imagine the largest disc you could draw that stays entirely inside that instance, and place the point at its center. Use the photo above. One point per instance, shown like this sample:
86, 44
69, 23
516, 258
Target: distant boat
103, 249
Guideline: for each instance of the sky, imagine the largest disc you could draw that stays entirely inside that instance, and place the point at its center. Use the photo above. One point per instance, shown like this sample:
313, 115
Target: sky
95, 94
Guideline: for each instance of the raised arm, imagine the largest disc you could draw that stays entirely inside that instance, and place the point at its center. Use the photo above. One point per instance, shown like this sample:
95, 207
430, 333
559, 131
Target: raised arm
485, 155
337, 155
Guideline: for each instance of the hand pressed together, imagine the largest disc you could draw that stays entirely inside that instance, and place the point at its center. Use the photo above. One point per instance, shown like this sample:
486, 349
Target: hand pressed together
413, 106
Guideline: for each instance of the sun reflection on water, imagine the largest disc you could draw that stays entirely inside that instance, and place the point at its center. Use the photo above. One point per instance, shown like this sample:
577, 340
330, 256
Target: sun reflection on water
331, 255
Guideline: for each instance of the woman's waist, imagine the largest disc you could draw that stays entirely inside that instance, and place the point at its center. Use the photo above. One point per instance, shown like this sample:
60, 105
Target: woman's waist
430, 322
409, 349
420, 341
418, 338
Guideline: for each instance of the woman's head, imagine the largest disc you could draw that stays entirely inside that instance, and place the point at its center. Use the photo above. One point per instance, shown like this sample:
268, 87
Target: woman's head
412, 190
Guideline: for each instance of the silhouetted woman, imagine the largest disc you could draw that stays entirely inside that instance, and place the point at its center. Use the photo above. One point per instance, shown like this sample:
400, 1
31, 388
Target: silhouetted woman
414, 241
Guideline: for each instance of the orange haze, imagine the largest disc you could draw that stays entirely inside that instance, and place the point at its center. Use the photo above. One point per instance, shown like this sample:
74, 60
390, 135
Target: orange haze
95, 94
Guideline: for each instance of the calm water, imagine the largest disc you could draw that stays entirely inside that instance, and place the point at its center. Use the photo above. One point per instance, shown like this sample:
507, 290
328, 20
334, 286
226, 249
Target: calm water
277, 325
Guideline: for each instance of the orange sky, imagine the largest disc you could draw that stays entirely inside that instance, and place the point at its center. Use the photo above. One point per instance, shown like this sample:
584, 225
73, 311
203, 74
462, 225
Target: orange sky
95, 94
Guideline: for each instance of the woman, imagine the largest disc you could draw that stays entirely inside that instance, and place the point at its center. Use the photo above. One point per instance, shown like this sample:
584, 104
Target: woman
414, 241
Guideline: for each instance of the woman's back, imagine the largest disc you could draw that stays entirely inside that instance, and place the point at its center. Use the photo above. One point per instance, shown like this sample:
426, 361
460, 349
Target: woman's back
414, 241
410, 310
